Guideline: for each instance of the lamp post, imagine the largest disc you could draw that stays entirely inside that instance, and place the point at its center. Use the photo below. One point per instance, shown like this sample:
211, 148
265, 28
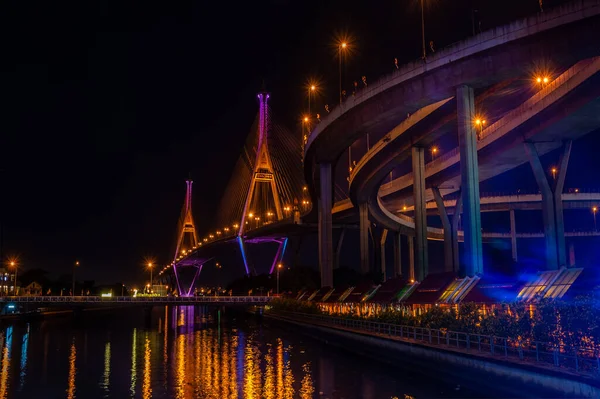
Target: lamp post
553, 170
73, 286
594, 210
279, 266
122, 289
150, 267
341, 48
434, 151
14, 264
311, 89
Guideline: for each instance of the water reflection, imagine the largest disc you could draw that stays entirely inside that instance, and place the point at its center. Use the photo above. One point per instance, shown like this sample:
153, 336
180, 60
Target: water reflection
106, 376
133, 363
146, 386
24, 346
72, 370
180, 357
6, 363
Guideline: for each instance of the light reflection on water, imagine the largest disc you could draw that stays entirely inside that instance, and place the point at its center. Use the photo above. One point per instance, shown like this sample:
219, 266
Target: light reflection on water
179, 357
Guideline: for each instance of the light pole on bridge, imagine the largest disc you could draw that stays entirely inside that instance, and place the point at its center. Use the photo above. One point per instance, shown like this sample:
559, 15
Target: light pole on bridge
279, 266
150, 267
594, 210
14, 264
73, 285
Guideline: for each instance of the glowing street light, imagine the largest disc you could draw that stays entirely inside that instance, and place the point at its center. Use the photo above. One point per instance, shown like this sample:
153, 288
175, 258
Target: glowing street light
342, 47
542, 80
14, 264
594, 210
479, 124
73, 285
279, 267
434, 151
312, 88
150, 267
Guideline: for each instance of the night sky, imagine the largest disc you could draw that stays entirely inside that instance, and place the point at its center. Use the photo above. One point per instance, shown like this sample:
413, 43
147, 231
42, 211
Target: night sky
108, 107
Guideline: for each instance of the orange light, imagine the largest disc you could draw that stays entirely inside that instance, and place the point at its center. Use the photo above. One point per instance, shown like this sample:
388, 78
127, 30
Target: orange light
539, 80
434, 150
478, 121
546, 79
344, 44
306, 119
313, 88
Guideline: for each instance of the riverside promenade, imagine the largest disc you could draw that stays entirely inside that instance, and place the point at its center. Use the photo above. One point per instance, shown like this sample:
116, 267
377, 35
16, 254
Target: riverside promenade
567, 372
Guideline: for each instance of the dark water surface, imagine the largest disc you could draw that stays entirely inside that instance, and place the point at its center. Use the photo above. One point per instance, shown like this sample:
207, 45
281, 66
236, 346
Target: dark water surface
183, 353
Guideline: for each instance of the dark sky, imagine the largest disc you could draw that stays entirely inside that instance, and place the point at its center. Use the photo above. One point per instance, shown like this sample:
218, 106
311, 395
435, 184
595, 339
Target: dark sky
108, 106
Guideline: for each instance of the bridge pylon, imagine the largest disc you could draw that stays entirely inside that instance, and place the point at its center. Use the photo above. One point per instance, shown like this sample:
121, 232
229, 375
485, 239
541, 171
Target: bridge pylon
186, 224
263, 176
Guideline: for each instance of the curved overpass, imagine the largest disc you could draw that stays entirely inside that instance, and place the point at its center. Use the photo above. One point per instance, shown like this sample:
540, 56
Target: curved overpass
568, 33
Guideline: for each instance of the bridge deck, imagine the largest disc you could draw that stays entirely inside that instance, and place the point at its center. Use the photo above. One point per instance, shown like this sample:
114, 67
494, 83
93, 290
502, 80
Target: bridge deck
124, 300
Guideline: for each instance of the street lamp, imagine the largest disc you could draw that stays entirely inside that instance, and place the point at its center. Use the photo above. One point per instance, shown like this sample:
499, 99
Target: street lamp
14, 264
279, 266
73, 286
480, 123
553, 170
311, 89
342, 46
594, 210
434, 151
150, 267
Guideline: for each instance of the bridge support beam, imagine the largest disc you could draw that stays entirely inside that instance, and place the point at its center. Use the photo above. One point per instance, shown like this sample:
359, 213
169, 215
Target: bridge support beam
552, 209
472, 260
411, 258
364, 224
418, 167
513, 236
397, 254
448, 241
338, 250
455, 221
325, 226
382, 241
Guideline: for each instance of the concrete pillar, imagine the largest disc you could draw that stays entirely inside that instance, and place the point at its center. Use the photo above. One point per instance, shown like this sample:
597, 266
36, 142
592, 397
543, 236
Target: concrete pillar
382, 253
363, 219
397, 254
418, 166
448, 244
325, 226
338, 250
411, 258
547, 205
513, 235
455, 221
472, 263
558, 204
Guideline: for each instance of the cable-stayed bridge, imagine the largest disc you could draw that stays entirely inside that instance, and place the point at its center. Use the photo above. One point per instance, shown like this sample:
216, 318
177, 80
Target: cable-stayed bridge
389, 187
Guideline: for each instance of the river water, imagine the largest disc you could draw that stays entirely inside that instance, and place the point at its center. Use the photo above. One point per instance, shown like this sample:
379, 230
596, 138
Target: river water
182, 352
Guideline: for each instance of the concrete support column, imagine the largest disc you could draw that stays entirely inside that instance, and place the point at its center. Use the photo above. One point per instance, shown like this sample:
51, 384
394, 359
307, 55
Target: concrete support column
397, 254
455, 221
552, 208
559, 185
411, 258
363, 219
448, 244
472, 263
382, 241
513, 235
338, 250
418, 166
325, 226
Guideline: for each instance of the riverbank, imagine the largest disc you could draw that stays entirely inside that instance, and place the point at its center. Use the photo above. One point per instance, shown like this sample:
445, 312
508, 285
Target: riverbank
548, 381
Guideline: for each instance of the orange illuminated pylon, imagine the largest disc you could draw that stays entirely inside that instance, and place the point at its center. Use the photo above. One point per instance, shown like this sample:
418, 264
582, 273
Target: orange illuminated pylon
186, 223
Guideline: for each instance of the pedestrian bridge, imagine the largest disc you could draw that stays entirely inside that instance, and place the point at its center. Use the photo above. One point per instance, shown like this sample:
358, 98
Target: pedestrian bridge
128, 300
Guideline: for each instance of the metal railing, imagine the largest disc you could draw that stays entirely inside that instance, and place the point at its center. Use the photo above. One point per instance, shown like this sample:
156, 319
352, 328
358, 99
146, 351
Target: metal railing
133, 300
580, 360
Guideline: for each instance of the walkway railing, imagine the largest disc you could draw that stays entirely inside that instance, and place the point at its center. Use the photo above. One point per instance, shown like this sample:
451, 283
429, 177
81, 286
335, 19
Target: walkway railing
134, 300
580, 360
